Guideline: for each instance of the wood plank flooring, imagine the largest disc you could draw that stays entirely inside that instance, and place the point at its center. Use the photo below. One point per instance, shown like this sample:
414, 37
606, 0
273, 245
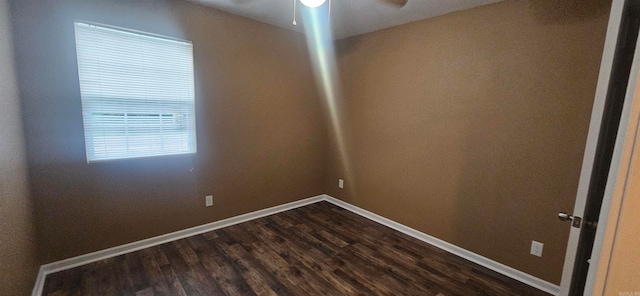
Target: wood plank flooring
318, 249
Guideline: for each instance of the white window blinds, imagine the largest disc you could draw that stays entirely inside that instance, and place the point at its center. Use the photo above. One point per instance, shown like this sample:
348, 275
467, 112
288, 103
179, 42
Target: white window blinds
137, 93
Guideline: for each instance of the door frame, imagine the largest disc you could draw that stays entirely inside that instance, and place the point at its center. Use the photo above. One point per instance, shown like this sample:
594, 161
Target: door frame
604, 77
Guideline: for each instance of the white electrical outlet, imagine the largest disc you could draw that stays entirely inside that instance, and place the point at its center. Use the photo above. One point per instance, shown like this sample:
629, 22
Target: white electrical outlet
340, 183
536, 248
209, 200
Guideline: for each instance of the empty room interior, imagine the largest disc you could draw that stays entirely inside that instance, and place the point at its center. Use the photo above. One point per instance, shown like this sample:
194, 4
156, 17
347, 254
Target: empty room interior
318, 147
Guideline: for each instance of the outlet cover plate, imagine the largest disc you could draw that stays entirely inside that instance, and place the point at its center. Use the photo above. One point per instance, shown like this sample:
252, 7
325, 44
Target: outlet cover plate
209, 200
340, 183
536, 248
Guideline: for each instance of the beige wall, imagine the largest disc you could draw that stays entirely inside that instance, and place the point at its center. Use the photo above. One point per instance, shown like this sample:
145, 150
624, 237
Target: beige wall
621, 275
471, 126
18, 267
261, 137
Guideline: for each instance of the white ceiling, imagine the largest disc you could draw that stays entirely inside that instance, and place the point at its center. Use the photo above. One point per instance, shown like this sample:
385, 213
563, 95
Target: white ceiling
349, 17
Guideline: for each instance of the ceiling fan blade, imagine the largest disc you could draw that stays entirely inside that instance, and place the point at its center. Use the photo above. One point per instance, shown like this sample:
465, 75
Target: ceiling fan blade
398, 3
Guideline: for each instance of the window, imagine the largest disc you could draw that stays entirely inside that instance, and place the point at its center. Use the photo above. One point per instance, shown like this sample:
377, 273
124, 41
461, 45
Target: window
137, 93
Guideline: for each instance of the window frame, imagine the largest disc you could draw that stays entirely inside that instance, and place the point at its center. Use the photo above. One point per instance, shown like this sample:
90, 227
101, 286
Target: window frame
191, 130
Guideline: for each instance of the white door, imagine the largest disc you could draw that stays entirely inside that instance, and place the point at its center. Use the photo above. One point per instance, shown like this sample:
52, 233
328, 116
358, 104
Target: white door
602, 90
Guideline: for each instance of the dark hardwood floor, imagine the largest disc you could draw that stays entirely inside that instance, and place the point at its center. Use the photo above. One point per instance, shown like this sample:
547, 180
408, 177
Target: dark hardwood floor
318, 249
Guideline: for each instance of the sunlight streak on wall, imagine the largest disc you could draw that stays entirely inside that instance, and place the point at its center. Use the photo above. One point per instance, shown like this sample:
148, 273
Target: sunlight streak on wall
321, 50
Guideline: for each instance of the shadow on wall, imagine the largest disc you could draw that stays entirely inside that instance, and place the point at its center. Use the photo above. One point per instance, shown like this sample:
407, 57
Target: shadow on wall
569, 11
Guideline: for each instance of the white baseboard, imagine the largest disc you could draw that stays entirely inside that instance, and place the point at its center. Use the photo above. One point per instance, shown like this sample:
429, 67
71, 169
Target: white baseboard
154, 241
458, 251
158, 240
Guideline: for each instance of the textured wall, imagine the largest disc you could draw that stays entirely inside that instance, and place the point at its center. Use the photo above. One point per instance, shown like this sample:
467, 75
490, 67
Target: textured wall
471, 126
18, 266
261, 136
